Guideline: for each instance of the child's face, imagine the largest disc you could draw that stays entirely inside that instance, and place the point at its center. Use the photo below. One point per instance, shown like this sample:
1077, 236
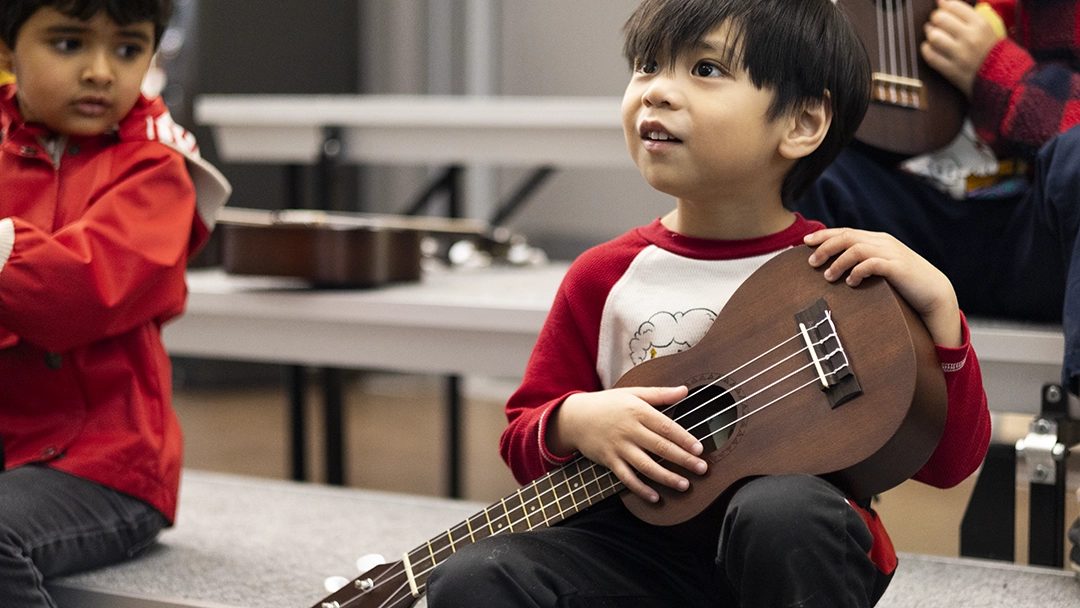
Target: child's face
78, 77
701, 128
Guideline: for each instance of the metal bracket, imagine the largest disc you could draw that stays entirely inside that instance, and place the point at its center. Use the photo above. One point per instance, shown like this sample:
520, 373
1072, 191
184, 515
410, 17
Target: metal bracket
1042, 451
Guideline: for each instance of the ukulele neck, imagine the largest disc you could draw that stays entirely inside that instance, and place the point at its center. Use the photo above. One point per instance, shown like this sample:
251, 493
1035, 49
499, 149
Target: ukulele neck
542, 503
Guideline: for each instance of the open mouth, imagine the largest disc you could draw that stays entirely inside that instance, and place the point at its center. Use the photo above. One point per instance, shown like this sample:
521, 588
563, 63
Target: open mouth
660, 136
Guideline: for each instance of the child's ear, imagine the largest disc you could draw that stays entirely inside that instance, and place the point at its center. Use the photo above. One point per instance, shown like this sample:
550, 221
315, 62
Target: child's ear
808, 127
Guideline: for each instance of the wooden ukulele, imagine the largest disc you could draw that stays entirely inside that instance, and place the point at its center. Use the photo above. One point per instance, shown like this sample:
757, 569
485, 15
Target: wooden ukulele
913, 108
796, 375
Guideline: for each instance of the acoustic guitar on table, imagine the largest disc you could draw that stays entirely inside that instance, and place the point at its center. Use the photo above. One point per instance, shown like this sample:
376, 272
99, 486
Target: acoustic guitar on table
796, 375
913, 108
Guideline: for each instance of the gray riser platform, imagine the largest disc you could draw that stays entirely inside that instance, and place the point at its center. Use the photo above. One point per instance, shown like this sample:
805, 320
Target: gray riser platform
247, 543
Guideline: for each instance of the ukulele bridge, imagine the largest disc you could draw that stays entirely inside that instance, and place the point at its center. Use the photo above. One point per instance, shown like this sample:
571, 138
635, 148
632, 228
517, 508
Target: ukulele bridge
898, 91
827, 354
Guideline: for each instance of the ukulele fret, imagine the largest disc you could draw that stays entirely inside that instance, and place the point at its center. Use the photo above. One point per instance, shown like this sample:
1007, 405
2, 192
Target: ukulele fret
506, 514
462, 538
581, 480
555, 492
487, 514
468, 525
540, 500
527, 511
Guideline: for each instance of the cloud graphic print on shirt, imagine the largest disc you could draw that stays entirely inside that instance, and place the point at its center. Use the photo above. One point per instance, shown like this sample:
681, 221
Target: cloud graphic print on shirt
666, 333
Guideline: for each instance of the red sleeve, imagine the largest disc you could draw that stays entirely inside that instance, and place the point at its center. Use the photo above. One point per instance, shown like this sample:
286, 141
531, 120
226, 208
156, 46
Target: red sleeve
966, 437
563, 360
118, 266
1028, 90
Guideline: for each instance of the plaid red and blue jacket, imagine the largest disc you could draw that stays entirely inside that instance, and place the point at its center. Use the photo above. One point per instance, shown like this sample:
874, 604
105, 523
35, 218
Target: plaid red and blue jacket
1028, 88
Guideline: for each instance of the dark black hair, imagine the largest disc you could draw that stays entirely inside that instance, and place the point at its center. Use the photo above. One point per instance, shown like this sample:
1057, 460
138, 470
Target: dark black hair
803, 50
15, 13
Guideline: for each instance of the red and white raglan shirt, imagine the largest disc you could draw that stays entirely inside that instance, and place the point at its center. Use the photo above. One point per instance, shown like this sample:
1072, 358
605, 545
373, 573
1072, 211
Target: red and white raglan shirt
653, 292
95, 235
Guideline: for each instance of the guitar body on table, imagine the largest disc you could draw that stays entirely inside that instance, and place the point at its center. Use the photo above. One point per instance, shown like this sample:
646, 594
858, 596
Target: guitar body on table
913, 109
796, 375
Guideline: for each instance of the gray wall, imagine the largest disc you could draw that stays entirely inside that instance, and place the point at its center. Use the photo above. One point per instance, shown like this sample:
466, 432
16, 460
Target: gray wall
546, 47
540, 47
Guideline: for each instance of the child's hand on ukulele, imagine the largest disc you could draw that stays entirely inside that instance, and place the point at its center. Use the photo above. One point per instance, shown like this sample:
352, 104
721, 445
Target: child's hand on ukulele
622, 429
923, 286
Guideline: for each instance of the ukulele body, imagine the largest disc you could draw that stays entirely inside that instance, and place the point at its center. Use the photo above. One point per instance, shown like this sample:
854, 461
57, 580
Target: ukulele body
872, 442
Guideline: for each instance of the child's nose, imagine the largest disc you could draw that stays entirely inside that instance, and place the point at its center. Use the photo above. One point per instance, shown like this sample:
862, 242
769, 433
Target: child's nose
662, 91
99, 69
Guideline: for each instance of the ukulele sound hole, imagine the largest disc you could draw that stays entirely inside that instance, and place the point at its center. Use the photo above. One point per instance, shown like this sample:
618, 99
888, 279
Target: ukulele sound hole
708, 413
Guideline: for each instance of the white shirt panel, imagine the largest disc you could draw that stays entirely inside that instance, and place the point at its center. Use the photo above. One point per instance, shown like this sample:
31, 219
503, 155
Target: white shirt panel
662, 305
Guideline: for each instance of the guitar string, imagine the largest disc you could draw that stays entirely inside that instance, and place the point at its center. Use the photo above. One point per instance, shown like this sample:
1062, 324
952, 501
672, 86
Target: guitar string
608, 473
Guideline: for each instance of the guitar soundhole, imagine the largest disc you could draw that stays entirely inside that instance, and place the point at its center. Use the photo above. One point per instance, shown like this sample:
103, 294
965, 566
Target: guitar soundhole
708, 412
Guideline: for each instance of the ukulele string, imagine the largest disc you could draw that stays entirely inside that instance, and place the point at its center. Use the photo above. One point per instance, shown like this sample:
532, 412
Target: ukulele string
798, 336
898, 48
606, 473
589, 496
797, 389
759, 391
913, 45
880, 34
891, 33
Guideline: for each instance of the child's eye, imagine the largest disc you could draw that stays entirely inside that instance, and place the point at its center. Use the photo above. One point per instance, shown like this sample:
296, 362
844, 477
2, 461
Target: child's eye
706, 69
67, 45
647, 67
129, 51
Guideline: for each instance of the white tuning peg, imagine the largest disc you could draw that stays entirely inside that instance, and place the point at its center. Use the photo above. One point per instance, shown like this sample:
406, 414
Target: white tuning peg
334, 583
369, 561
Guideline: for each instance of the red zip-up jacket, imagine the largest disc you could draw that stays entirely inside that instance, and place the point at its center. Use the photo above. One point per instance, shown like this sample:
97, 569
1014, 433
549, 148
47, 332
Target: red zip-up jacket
95, 234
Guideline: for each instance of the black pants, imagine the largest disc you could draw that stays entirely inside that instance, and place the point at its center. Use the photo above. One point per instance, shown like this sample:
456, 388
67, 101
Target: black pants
789, 540
53, 523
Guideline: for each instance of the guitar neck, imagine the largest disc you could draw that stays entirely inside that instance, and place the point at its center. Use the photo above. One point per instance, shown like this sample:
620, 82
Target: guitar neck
542, 503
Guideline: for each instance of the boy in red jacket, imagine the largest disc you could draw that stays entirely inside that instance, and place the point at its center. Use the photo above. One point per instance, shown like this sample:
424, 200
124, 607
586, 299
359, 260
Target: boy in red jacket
733, 108
102, 201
